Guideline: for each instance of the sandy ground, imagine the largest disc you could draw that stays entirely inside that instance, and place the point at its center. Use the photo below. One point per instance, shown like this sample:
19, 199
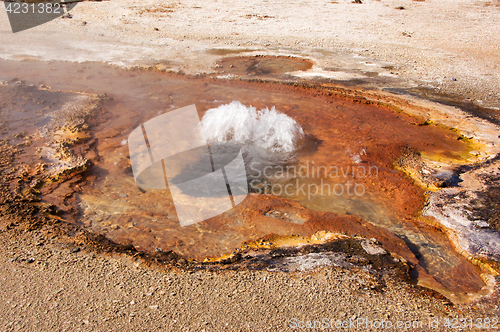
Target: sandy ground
47, 286
451, 46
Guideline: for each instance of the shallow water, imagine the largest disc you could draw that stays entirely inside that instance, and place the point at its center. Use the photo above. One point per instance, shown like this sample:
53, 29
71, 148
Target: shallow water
261, 65
348, 151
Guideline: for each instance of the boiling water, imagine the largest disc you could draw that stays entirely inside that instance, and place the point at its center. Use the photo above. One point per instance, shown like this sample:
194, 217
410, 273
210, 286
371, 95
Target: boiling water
269, 130
308, 151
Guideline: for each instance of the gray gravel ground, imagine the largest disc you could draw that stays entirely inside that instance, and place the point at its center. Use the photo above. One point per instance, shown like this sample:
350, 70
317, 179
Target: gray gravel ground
47, 286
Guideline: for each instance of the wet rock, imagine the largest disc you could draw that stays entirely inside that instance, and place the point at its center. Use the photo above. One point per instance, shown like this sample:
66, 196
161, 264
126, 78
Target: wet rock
372, 248
308, 262
470, 210
481, 224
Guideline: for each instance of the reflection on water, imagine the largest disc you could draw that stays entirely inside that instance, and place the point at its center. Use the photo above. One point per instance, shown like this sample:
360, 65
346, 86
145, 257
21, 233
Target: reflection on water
431, 248
339, 136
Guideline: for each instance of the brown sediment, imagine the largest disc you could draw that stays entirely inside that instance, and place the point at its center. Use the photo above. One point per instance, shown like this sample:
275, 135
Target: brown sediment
105, 200
261, 65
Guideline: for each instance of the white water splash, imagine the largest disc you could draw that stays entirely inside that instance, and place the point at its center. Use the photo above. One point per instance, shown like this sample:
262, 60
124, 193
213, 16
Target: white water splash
268, 129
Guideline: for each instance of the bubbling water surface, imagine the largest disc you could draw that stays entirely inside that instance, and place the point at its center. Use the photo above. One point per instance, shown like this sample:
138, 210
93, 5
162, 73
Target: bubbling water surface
267, 129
